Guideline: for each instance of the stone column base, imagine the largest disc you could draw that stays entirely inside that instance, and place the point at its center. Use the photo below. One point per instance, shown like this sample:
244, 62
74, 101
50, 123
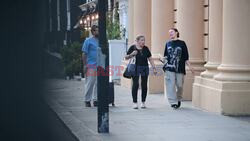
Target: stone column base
156, 82
224, 97
125, 82
198, 66
187, 86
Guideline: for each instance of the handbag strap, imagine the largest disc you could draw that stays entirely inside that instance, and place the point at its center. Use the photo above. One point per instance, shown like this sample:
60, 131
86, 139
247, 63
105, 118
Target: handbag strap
132, 60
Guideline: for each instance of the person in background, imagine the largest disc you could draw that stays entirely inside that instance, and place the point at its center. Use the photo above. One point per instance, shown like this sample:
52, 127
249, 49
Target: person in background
89, 58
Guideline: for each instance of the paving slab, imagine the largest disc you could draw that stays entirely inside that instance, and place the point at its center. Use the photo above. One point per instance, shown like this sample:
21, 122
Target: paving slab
158, 122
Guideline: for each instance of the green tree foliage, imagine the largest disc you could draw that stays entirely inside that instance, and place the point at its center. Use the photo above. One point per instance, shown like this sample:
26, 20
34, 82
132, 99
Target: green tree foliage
113, 26
113, 30
72, 59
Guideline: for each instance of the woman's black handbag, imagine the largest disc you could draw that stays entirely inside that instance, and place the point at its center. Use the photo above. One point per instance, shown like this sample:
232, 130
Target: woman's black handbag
131, 68
126, 74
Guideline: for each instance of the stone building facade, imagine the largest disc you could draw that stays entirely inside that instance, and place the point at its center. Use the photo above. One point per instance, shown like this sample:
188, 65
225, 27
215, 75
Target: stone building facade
217, 34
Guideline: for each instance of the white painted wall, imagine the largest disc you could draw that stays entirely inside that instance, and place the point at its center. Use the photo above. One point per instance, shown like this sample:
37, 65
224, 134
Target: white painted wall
117, 51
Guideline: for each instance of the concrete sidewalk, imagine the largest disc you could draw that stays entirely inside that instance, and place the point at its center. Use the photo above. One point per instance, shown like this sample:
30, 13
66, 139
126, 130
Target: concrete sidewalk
158, 122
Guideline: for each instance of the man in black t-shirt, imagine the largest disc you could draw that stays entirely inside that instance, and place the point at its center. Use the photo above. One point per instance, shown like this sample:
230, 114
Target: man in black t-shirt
176, 56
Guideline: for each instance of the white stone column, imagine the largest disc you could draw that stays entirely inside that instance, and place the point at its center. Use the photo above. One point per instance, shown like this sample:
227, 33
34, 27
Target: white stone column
228, 92
204, 87
215, 38
236, 42
131, 39
162, 21
131, 22
123, 15
190, 23
142, 19
139, 24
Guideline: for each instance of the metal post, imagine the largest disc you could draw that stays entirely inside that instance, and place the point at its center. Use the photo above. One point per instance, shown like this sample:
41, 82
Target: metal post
103, 77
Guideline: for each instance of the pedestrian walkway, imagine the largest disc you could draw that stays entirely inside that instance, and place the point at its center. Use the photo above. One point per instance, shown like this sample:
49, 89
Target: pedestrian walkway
158, 122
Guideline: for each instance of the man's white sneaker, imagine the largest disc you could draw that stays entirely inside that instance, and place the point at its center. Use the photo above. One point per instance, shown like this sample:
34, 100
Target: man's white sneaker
135, 106
143, 105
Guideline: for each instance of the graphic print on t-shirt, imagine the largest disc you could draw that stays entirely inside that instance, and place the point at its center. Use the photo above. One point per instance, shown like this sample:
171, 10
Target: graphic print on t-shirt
174, 58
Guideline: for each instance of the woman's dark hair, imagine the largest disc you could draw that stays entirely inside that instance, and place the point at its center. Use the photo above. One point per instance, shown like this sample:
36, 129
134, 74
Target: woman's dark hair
176, 30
